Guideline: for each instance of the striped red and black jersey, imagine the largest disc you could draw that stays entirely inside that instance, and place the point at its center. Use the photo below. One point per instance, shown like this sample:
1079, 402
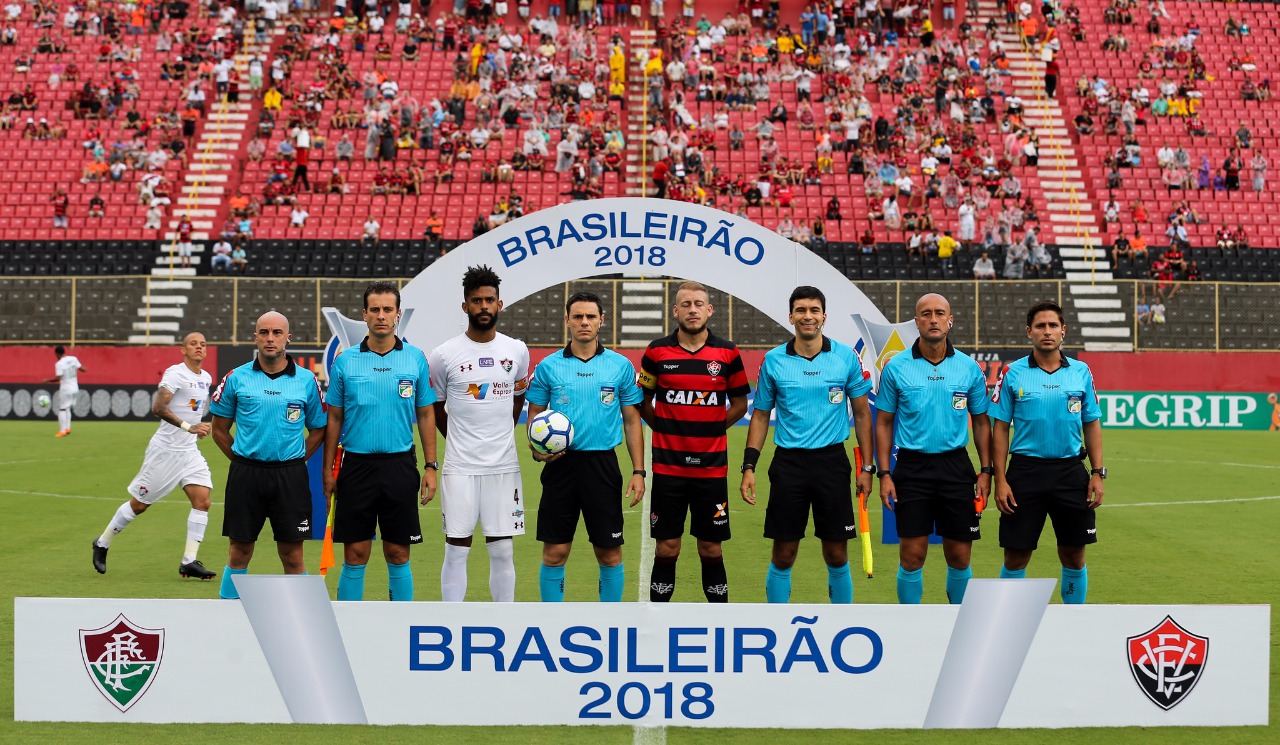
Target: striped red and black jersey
691, 391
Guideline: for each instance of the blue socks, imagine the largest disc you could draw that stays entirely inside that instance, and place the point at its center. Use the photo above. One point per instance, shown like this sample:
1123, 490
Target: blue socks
777, 586
399, 582
611, 581
839, 584
1007, 573
351, 582
957, 582
1074, 585
551, 584
227, 591
910, 586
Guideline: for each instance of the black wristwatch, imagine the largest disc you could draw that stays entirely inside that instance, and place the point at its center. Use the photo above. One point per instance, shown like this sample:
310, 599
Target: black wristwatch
1100, 472
988, 470
640, 472
432, 464
747, 467
869, 468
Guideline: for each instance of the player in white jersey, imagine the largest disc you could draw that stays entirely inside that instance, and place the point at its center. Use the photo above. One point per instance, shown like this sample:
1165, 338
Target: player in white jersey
66, 371
172, 459
480, 378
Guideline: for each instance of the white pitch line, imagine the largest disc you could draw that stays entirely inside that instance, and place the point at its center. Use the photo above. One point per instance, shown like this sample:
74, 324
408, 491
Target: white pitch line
1199, 462
1192, 501
644, 734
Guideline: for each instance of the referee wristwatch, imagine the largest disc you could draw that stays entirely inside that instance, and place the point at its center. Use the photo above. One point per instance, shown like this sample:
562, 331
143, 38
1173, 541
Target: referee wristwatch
869, 468
1100, 472
432, 464
640, 472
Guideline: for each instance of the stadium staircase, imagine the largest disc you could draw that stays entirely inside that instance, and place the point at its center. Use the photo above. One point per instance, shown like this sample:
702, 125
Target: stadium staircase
1072, 218
212, 176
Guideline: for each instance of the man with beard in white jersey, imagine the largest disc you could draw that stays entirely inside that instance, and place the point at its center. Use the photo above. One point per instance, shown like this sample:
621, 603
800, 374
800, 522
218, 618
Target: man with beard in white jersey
66, 370
480, 378
172, 458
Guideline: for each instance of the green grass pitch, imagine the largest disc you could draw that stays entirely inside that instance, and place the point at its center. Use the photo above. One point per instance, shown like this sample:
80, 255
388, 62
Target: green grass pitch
1188, 518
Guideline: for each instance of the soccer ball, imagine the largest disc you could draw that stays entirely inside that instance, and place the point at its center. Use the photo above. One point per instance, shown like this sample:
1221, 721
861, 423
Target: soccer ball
43, 401
550, 432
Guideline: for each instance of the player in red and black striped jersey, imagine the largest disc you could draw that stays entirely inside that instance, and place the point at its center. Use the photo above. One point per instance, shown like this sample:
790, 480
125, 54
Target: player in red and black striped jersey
695, 388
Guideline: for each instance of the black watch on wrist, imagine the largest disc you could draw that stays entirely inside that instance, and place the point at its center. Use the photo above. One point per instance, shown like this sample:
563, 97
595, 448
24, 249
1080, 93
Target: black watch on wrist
1100, 472
988, 470
640, 472
432, 464
869, 468
747, 467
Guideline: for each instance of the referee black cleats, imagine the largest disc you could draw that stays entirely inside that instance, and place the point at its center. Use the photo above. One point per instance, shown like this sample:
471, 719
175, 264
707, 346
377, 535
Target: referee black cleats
194, 569
99, 557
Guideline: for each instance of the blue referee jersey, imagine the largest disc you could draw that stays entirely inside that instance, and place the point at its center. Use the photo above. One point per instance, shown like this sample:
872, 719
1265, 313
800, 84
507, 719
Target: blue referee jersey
1046, 410
590, 392
380, 395
272, 412
931, 403
811, 395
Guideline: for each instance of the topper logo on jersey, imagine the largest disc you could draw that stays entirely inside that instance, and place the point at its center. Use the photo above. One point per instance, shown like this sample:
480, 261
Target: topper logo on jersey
693, 398
1167, 662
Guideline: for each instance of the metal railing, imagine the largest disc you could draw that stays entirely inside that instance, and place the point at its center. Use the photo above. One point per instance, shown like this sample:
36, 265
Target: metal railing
1208, 316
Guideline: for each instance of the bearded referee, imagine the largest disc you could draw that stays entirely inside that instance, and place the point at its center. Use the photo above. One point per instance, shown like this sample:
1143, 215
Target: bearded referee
688, 378
1049, 402
377, 392
930, 394
811, 381
279, 421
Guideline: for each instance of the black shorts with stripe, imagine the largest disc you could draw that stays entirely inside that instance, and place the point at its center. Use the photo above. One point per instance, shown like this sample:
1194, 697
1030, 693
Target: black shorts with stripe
801, 480
258, 491
935, 492
586, 483
378, 493
1057, 488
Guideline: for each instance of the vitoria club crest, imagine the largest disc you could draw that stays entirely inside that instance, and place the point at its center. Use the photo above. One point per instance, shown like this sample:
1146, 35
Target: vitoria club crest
121, 659
1167, 662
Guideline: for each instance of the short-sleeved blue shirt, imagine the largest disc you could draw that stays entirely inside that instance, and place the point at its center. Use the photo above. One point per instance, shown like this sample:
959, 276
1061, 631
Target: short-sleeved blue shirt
380, 395
590, 392
272, 413
812, 396
931, 403
1046, 410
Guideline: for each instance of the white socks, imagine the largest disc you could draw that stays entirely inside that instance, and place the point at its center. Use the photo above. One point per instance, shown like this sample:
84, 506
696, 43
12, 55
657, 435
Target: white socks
197, 521
453, 575
119, 522
502, 570
64, 420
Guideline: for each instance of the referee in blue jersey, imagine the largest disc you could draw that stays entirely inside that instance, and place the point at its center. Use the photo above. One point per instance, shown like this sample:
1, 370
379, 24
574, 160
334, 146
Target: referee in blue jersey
279, 422
1050, 403
377, 392
930, 394
811, 381
596, 388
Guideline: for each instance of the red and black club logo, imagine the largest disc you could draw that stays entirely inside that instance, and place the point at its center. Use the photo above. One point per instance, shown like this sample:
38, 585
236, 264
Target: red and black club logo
1167, 662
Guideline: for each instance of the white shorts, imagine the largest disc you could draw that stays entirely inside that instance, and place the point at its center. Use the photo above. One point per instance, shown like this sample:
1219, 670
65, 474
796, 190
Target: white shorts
66, 398
184, 249
165, 470
495, 500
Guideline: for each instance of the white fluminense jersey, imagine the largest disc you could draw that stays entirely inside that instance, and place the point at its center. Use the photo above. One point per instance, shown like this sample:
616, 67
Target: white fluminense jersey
478, 383
190, 403
67, 369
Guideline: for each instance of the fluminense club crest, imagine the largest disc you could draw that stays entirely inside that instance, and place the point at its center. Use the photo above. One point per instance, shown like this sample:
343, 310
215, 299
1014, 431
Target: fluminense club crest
122, 659
1167, 662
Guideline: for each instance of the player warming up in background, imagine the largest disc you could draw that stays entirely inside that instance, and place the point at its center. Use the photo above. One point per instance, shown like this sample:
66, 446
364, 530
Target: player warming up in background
66, 371
1050, 403
479, 379
930, 393
596, 388
172, 458
811, 381
377, 392
279, 422
688, 378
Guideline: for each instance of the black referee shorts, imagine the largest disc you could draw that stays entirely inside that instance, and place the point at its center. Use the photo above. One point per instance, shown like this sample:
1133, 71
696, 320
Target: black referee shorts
1053, 487
706, 500
585, 482
257, 491
935, 492
820, 479
378, 492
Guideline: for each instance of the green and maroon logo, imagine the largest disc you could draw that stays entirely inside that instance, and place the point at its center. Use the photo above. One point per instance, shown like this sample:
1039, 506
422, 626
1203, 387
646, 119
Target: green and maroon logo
122, 659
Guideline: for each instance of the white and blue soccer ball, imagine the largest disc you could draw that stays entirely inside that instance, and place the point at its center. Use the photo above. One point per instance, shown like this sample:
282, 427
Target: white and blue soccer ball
43, 401
550, 432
